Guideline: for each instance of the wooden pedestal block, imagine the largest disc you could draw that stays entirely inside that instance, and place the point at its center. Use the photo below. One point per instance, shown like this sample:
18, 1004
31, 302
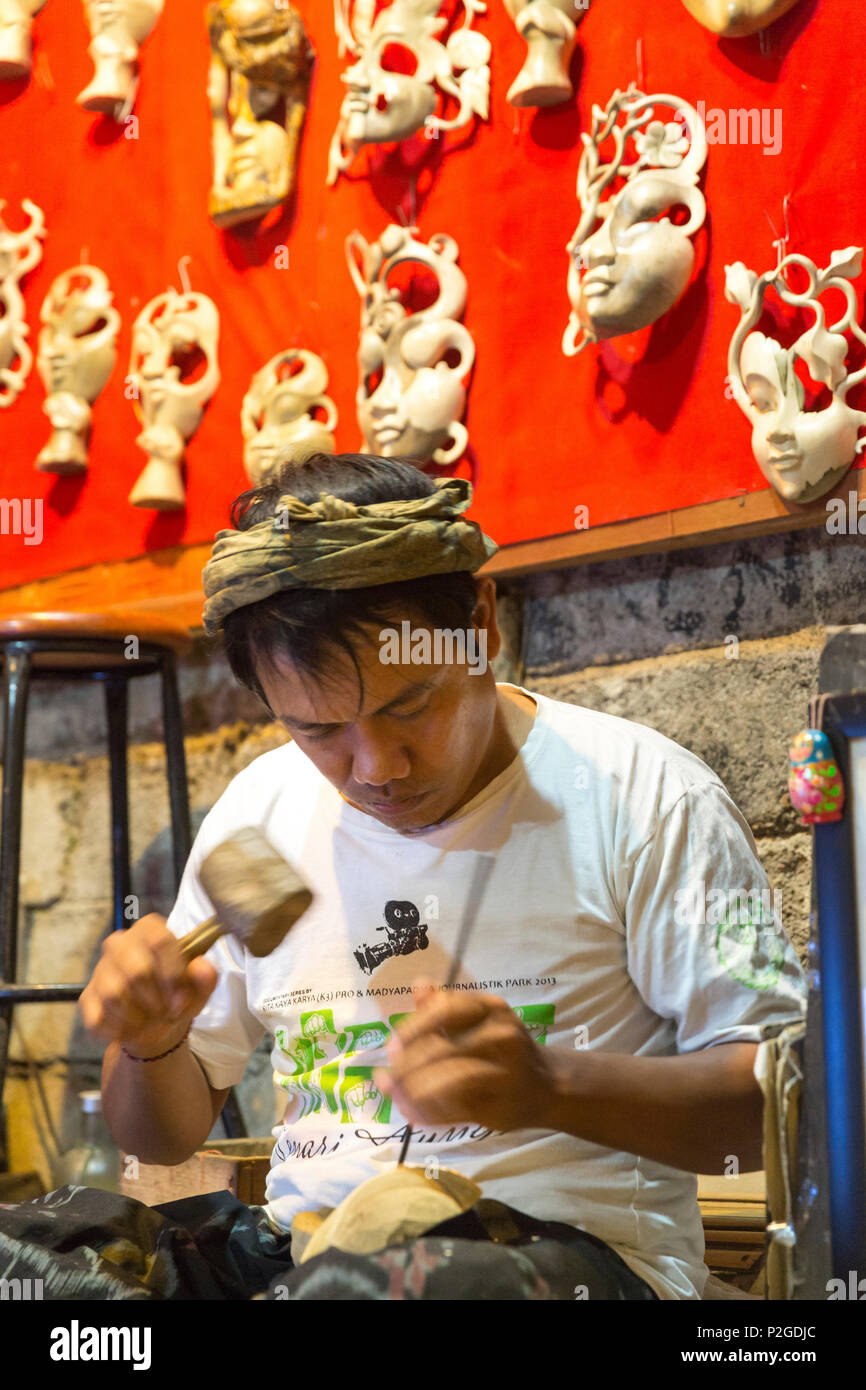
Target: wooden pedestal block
234, 1165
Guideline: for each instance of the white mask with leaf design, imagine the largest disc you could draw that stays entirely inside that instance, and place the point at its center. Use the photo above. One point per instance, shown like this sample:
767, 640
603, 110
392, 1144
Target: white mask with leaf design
629, 271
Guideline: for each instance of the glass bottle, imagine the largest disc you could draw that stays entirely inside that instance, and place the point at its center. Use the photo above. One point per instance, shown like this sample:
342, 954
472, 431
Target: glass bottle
93, 1161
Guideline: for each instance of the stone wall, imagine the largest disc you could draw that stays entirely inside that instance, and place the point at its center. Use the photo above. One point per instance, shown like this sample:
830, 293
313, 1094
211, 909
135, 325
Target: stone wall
715, 647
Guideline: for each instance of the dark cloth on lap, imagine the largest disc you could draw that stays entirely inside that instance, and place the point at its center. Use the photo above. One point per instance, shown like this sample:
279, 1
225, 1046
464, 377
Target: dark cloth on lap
86, 1244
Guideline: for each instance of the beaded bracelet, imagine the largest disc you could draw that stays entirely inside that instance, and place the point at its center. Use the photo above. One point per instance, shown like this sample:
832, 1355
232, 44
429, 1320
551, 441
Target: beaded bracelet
159, 1055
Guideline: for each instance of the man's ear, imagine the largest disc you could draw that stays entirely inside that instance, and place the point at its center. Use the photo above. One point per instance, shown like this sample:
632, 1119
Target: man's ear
484, 614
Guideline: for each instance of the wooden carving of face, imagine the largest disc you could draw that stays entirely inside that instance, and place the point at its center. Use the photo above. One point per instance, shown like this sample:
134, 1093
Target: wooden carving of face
258, 82
735, 19
413, 363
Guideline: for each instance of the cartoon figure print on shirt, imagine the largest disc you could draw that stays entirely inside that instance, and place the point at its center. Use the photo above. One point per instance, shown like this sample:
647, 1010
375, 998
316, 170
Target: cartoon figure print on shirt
404, 933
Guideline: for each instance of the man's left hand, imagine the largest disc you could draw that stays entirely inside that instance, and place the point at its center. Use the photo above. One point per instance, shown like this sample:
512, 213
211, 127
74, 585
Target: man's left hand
462, 1059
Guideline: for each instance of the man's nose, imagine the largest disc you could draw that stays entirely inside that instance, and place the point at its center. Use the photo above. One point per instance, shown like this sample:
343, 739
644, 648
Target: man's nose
377, 760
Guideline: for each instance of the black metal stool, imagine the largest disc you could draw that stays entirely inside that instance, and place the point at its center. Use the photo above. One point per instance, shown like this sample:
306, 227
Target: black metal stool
86, 646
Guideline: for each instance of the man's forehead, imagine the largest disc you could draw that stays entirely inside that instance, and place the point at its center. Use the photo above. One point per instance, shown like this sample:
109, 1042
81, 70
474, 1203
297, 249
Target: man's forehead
334, 697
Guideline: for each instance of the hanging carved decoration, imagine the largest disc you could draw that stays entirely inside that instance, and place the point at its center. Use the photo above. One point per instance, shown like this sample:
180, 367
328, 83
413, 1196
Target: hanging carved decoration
399, 64
118, 28
549, 29
16, 46
803, 453
77, 352
19, 252
734, 19
628, 272
409, 397
278, 418
173, 337
258, 87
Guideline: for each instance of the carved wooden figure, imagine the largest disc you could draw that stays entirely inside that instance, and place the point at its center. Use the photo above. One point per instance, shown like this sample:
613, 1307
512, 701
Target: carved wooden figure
549, 29
734, 19
118, 29
16, 49
628, 271
258, 89
385, 104
173, 335
19, 252
803, 453
409, 397
279, 414
77, 351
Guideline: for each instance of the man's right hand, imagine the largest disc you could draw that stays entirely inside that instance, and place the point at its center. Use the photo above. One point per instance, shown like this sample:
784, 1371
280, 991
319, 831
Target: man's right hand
142, 992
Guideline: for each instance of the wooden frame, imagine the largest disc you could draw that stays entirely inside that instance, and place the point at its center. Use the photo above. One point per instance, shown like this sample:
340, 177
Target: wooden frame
169, 581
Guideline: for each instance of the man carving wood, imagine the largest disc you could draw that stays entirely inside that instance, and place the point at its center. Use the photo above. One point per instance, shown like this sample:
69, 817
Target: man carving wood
596, 1047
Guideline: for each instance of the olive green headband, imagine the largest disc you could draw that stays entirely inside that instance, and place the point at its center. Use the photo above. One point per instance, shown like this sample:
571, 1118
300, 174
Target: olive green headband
334, 544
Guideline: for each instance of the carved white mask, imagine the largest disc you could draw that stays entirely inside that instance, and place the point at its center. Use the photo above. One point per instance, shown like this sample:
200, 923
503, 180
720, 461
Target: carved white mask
16, 49
632, 269
118, 29
19, 252
173, 337
409, 397
77, 351
802, 453
278, 415
734, 19
391, 92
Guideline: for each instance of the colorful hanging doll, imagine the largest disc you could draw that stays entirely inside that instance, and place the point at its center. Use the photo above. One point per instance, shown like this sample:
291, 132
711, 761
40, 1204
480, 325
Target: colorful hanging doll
815, 780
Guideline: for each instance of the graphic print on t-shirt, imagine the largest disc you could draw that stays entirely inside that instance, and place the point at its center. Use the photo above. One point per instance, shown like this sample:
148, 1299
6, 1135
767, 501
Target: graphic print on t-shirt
404, 933
329, 1075
751, 947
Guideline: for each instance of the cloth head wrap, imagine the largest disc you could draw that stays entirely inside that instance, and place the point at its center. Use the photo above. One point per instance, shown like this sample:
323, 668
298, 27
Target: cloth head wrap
334, 544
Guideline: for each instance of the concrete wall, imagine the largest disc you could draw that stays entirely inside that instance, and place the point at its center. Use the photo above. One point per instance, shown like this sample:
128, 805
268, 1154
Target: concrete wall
715, 647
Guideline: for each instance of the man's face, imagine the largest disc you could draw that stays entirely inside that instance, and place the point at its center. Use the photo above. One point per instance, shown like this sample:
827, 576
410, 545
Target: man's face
417, 747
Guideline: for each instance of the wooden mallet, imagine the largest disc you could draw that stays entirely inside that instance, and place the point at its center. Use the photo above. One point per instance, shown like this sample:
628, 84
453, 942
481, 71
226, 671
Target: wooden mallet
257, 896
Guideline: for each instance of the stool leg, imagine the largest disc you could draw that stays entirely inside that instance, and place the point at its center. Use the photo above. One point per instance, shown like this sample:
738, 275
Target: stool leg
175, 758
235, 1124
181, 833
116, 705
16, 682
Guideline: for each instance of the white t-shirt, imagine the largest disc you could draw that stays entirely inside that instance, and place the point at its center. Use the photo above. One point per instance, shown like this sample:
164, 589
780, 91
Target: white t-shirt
607, 923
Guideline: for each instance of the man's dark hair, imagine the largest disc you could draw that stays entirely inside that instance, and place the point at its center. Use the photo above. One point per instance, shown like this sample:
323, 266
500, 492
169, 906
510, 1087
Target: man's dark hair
309, 627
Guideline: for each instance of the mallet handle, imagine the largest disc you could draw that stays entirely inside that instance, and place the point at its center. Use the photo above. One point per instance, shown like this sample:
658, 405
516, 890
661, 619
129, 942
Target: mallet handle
200, 939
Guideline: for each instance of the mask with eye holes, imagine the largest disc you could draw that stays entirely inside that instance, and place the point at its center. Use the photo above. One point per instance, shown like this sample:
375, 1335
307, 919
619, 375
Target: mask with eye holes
629, 260
803, 447
405, 67
413, 363
173, 373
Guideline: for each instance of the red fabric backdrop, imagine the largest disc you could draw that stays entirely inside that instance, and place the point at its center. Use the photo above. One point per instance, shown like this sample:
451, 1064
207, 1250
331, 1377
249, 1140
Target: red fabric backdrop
547, 433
